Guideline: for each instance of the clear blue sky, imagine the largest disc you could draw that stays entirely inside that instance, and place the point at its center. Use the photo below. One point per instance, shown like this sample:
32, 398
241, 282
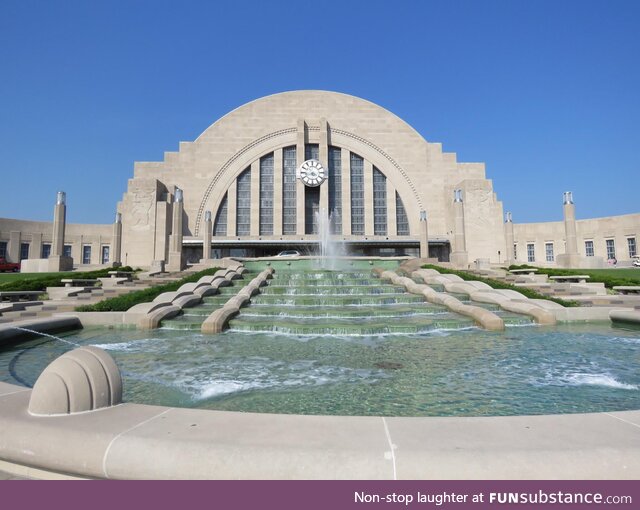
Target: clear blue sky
546, 93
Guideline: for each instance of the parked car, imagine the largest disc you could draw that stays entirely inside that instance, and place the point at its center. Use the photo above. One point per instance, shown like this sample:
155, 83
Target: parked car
8, 266
289, 253
636, 262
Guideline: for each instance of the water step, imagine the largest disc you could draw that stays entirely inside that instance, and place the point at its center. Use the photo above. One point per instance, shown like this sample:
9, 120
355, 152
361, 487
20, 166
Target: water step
336, 328
390, 311
338, 300
321, 275
329, 282
326, 290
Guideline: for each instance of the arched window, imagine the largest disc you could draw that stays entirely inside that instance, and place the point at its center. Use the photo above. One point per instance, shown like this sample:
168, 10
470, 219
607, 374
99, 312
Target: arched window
243, 207
379, 203
220, 224
402, 222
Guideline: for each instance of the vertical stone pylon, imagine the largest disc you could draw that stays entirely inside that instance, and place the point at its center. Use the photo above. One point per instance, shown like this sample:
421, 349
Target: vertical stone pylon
59, 223
206, 238
459, 256
176, 259
570, 257
569, 210
57, 261
509, 240
117, 241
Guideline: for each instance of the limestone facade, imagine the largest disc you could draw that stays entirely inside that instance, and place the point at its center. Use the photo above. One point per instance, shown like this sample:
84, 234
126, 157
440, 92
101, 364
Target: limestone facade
619, 232
35, 239
386, 187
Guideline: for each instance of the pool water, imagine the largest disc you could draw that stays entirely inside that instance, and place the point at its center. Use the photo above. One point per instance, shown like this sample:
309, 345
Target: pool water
527, 369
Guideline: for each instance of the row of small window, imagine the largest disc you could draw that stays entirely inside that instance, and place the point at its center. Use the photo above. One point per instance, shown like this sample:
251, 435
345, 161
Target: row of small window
46, 252
588, 248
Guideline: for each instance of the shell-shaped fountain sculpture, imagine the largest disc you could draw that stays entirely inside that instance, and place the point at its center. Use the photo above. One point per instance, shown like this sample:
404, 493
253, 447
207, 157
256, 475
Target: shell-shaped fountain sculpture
81, 380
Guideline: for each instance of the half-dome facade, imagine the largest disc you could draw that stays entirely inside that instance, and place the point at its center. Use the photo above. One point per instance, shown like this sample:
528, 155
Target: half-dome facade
378, 177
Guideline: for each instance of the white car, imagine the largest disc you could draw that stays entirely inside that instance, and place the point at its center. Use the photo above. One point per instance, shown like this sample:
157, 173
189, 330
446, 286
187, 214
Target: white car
636, 263
289, 253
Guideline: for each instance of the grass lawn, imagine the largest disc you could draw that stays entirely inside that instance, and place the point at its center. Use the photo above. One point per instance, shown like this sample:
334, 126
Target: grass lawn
631, 273
611, 276
14, 277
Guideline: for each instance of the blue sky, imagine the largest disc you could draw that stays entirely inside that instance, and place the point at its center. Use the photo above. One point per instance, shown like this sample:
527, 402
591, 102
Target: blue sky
546, 93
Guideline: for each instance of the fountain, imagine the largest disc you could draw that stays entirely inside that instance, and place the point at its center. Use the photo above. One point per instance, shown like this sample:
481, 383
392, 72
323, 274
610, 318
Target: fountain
329, 249
40, 333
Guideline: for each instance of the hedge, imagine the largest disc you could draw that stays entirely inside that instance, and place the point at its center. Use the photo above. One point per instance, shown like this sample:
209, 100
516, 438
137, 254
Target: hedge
126, 301
495, 284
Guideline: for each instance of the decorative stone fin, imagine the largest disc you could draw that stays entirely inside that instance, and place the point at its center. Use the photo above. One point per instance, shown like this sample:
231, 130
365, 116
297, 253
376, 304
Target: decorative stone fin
81, 380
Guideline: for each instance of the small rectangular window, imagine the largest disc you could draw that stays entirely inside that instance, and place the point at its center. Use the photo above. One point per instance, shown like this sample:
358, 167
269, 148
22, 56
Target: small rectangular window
548, 249
631, 243
105, 254
611, 249
531, 252
3, 249
588, 248
86, 254
46, 250
24, 251
66, 251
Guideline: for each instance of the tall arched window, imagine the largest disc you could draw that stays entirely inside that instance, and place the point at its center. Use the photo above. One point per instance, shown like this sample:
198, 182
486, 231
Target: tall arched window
220, 223
243, 207
402, 221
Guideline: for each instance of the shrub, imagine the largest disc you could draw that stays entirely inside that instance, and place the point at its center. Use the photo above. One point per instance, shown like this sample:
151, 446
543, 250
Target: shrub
495, 284
126, 301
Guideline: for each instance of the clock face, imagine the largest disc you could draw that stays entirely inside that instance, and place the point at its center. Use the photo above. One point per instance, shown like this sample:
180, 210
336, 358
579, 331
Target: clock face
312, 173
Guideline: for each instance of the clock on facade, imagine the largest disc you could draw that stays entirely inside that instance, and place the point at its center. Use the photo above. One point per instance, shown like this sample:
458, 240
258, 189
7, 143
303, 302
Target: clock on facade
312, 172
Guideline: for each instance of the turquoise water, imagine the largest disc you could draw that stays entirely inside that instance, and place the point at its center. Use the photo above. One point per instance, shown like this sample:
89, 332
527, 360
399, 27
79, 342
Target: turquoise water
468, 372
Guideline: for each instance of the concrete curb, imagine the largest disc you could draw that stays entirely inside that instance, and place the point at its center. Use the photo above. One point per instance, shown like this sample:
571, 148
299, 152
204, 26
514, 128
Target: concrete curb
485, 318
133, 441
219, 319
478, 291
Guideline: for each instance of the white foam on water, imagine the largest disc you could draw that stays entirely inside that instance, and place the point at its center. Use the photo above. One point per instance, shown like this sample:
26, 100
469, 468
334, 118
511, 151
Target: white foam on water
579, 379
531, 324
247, 374
560, 376
132, 345
219, 388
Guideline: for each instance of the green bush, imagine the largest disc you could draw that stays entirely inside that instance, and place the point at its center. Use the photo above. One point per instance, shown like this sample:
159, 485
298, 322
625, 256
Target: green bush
495, 284
126, 301
609, 277
55, 280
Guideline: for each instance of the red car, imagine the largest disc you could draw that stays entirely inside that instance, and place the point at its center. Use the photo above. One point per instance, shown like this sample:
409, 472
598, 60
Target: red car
8, 266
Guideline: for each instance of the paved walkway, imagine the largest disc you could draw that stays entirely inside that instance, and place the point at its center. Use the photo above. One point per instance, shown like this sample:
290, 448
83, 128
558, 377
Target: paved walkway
10, 476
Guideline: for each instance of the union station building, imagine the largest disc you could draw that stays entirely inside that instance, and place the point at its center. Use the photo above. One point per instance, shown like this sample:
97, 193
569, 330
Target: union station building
256, 181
